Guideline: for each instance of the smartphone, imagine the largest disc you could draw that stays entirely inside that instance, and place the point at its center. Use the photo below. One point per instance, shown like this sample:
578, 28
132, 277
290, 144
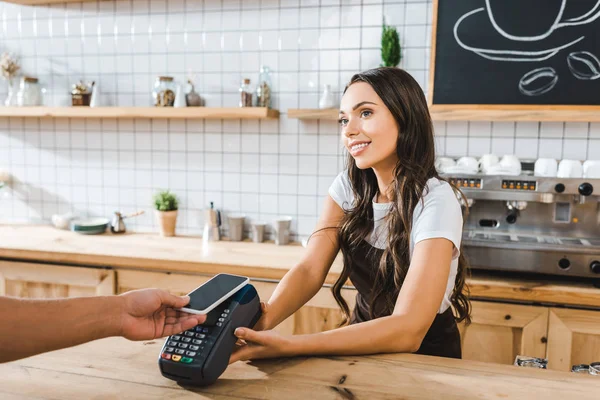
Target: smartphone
213, 292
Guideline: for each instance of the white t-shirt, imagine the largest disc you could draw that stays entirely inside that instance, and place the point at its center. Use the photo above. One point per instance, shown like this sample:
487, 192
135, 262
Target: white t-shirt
437, 216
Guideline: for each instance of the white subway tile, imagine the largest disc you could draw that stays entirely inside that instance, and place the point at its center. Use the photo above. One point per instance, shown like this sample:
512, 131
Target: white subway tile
503, 145
288, 204
309, 17
550, 148
574, 149
526, 148
457, 128
267, 202
249, 182
372, 15
575, 130
456, 146
480, 129
213, 181
250, 163
307, 164
552, 129
503, 129
479, 146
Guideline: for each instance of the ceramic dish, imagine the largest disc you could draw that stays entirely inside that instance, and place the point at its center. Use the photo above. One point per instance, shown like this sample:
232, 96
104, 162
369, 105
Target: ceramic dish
90, 226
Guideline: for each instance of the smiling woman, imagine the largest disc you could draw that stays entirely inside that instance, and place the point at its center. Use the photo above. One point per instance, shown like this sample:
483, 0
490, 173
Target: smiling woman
399, 227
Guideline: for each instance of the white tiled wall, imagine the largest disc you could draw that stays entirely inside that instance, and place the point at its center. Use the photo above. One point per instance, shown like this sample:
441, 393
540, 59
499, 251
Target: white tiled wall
264, 169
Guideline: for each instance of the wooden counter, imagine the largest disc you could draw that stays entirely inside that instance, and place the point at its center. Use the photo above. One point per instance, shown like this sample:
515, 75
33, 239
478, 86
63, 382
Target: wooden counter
117, 368
188, 254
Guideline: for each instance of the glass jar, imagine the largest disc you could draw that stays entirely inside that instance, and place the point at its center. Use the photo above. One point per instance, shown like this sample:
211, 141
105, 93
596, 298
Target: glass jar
263, 88
29, 92
245, 94
531, 362
164, 91
581, 369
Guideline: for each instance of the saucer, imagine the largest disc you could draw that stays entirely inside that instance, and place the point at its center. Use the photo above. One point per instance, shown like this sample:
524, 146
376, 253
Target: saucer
459, 169
510, 50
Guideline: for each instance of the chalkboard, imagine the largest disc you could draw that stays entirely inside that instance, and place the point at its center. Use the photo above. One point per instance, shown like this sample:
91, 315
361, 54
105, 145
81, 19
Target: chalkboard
516, 52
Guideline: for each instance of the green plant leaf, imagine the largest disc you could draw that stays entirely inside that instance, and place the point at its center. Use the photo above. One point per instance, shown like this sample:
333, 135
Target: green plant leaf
165, 201
391, 52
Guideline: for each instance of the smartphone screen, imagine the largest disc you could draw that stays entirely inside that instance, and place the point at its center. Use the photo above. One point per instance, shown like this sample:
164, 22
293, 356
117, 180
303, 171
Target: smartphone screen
216, 290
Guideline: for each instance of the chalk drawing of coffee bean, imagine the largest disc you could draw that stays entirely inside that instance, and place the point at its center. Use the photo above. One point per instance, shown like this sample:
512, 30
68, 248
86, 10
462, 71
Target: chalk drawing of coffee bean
538, 81
584, 65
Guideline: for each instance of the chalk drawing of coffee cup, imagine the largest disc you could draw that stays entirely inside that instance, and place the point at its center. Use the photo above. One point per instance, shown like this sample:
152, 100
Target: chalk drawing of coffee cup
507, 18
538, 81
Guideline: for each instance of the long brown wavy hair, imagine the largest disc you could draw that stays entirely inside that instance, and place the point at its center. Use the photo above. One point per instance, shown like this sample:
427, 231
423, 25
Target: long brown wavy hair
415, 148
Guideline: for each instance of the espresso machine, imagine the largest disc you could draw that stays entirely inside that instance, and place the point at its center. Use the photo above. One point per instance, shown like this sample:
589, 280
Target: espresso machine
526, 223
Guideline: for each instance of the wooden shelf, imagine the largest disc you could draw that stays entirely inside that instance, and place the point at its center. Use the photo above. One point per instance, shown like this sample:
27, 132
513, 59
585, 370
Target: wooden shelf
141, 112
482, 113
331, 114
514, 113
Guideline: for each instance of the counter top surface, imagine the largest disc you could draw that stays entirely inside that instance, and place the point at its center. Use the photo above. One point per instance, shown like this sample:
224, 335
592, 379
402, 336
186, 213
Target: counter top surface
189, 254
117, 368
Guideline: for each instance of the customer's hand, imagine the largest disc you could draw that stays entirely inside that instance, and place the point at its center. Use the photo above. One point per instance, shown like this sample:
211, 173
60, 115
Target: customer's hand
151, 313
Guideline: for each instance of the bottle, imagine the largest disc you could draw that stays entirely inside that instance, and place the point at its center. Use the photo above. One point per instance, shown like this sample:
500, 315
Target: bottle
95, 101
212, 223
180, 97
193, 99
245, 94
263, 89
327, 100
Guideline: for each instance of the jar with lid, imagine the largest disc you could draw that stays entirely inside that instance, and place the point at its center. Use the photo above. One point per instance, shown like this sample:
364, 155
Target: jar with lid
164, 91
245, 94
29, 92
263, 88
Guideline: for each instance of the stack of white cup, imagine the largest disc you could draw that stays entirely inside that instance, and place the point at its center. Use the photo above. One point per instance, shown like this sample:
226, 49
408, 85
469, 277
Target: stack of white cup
567, 168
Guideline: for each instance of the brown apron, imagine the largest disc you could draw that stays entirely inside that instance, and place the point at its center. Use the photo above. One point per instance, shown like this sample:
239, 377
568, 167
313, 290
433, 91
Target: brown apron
442, 338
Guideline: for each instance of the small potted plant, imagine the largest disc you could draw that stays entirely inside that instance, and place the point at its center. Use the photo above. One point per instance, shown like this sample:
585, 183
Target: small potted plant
391, 53
166, 204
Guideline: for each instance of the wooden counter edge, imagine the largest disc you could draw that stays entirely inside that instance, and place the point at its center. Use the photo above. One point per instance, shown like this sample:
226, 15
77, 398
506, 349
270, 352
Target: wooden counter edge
484, 288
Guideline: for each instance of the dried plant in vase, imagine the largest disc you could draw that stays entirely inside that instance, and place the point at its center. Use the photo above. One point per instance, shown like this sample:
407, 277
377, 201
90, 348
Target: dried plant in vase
10, 66
166, 205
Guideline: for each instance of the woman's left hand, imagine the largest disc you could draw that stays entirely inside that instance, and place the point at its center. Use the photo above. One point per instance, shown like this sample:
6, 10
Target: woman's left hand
261, 344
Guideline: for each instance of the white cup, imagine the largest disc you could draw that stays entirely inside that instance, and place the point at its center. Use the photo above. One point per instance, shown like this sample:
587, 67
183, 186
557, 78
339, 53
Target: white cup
570, 169
282, 227
591, 169
441, 163
236, 227
258, 231
468, 163
545, 167
510, 163
487, 160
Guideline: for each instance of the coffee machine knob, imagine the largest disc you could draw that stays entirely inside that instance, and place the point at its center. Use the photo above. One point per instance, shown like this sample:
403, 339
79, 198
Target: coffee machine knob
586, 189
595, 266
559, 188
564, 263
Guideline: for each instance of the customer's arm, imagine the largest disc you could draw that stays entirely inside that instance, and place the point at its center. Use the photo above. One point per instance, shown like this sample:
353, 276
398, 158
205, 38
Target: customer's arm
306, 278
31, 327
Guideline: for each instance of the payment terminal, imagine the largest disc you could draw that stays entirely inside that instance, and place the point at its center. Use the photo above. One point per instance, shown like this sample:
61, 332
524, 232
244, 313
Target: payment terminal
200, 355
